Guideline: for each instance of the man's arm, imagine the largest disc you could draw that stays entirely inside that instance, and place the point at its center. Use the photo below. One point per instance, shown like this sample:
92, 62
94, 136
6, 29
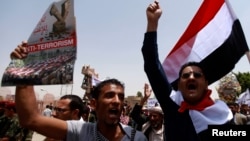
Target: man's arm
136, 111
27, 108
152, 65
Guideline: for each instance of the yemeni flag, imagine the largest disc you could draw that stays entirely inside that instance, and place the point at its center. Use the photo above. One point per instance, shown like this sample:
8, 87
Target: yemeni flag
214, 38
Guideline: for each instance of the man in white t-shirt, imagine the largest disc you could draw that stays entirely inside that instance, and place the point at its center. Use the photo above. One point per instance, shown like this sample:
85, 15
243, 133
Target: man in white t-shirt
47, 111
107, 101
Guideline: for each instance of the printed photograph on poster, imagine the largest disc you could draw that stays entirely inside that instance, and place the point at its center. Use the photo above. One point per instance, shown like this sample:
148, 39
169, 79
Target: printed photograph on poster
52, 48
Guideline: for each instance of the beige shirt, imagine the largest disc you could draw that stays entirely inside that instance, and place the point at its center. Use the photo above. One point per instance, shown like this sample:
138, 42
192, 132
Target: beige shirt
156, 135
240, 119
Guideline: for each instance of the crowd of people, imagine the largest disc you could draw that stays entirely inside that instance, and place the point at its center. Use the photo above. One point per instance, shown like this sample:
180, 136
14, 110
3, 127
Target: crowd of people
72, 107
181, 115
10, 129
241, 113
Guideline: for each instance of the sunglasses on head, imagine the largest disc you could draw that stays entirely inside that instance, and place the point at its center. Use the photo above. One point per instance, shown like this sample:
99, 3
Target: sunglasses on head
195, 74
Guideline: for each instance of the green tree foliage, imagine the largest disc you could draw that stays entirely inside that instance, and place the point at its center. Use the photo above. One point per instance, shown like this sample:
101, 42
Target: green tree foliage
139, 94
244, 80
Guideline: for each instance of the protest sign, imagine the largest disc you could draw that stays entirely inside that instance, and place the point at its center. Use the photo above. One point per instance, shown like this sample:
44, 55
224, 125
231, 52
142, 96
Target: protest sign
52, 48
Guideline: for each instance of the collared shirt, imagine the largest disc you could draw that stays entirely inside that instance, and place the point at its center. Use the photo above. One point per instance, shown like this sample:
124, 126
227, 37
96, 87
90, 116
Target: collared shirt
156, 135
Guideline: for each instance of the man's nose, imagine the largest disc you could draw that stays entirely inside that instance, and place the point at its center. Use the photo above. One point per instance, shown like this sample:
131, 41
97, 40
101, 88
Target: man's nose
192, 76
117, 99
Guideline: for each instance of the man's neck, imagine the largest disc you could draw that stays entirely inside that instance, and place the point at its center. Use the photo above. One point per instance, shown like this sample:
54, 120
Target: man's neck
111, 132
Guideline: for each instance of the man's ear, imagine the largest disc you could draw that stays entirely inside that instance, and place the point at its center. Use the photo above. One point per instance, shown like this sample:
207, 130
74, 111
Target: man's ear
76, 112
93, 103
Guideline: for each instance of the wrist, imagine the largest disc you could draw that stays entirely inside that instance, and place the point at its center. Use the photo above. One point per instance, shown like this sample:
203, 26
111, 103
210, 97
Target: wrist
152, 26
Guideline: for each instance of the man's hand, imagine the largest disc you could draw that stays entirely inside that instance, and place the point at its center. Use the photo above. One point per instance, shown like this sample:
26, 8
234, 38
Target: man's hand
147, 91
154, 11
153, 15
20, 51
147, 94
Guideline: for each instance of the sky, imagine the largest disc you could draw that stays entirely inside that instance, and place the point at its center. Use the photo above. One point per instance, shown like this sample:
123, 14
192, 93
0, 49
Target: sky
110, 35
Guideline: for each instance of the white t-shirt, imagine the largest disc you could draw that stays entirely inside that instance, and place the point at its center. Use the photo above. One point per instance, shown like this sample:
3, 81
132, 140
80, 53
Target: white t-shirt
47, 112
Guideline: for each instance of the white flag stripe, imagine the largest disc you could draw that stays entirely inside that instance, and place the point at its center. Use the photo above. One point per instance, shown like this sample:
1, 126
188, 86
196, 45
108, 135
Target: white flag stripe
176, 63
208, 38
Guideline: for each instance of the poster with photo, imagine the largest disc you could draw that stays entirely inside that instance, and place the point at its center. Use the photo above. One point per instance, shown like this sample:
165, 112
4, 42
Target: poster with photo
52, 48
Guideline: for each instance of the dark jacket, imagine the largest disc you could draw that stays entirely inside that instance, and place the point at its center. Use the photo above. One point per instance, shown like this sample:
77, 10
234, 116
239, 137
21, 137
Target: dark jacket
136, 115
178, 126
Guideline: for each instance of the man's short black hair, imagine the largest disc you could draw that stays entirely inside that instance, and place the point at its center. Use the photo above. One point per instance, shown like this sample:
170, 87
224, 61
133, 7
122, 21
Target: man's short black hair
75, 103
96, 91
191, 64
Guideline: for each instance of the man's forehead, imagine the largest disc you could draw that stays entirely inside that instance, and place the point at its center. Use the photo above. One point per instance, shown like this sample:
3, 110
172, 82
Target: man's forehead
155, 114
112, 87
191, 69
